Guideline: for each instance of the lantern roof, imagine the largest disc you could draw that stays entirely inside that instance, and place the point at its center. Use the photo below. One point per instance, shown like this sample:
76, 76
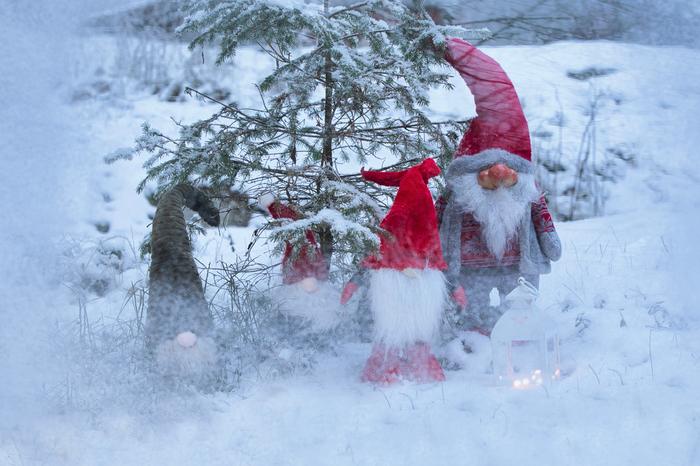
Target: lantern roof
524, 294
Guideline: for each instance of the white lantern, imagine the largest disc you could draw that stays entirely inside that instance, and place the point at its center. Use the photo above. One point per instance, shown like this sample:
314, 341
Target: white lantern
524, 342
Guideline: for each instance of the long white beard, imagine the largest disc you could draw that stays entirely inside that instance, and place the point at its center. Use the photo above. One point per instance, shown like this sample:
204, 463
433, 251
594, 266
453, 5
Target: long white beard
499, 211
407, 305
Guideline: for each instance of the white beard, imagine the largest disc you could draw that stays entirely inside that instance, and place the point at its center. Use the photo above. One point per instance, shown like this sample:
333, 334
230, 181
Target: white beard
499, 211
189, 363
407, 305
319, 306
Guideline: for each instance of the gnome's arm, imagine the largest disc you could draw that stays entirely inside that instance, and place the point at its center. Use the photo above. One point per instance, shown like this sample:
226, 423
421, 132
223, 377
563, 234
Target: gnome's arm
440, 205
457, 292
546, 233
357, 281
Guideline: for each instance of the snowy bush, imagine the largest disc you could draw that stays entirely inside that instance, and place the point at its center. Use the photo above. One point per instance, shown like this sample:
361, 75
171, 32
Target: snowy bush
94, 267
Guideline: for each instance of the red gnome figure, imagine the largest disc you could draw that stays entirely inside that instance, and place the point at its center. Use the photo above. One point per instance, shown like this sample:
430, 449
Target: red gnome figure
308, 267
494, 222
407, 289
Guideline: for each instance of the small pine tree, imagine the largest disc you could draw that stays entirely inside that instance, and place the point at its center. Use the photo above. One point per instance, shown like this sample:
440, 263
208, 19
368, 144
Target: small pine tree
351, 83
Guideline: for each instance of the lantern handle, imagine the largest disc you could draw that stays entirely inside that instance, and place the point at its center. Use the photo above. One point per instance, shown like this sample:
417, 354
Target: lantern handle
528, 286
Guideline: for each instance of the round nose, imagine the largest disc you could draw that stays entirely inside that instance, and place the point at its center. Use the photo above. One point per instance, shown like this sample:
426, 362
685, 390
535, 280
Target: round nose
499, 172
498, 175
503, 175
186, 339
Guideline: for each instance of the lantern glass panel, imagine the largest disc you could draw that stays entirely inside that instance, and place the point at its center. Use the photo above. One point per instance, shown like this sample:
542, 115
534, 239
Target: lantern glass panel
524, 342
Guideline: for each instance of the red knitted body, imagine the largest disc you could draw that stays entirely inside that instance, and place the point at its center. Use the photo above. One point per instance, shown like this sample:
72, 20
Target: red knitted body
474, 251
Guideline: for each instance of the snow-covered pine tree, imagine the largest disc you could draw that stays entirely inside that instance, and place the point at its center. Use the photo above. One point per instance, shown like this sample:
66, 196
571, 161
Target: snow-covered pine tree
351, 83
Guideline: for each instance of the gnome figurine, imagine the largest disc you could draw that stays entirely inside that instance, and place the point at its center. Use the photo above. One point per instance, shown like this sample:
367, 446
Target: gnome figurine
309, 267
407, 289
494, 222
305, 291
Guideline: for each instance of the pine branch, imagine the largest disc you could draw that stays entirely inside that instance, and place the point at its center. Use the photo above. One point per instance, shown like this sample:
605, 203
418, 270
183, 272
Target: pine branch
356, 6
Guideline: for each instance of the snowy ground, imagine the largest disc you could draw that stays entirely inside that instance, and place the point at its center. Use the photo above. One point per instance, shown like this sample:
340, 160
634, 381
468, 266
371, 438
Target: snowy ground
622, 295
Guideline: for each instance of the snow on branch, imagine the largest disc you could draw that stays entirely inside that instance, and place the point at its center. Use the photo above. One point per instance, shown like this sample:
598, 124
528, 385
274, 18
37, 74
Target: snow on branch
338, 223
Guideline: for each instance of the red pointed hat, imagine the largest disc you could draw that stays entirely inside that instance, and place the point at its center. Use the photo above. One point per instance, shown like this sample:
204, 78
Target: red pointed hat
309, 262
413, 240
499, 133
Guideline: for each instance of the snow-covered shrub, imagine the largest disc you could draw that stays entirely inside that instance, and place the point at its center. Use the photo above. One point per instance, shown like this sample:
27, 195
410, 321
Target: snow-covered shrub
268, 330
544, 21
94, 267
121, 65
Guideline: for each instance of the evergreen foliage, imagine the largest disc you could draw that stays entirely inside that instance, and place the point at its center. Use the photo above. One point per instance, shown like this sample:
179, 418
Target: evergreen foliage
350, 86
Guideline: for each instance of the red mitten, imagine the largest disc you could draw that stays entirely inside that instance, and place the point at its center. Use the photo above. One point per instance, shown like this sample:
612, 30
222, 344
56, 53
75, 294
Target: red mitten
459, 296
348, 291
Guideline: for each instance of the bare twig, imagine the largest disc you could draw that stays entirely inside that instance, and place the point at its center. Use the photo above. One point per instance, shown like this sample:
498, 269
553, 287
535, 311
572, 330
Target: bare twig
651, 357
510, 19
594, 373
413, 406
622, 382
385, 398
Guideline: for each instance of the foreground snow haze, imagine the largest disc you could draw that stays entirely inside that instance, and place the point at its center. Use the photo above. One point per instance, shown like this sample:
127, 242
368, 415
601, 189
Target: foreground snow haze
615, 132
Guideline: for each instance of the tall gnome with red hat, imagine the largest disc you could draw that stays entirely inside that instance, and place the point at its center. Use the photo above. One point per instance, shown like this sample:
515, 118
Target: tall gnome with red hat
407, 289
494, 222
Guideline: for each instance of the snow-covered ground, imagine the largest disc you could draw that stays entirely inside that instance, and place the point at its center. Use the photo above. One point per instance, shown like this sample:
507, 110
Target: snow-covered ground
622, 295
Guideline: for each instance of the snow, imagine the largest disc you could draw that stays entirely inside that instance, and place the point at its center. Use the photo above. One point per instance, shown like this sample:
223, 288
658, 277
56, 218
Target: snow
335, 219
622, 295
36, 133
358, 198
